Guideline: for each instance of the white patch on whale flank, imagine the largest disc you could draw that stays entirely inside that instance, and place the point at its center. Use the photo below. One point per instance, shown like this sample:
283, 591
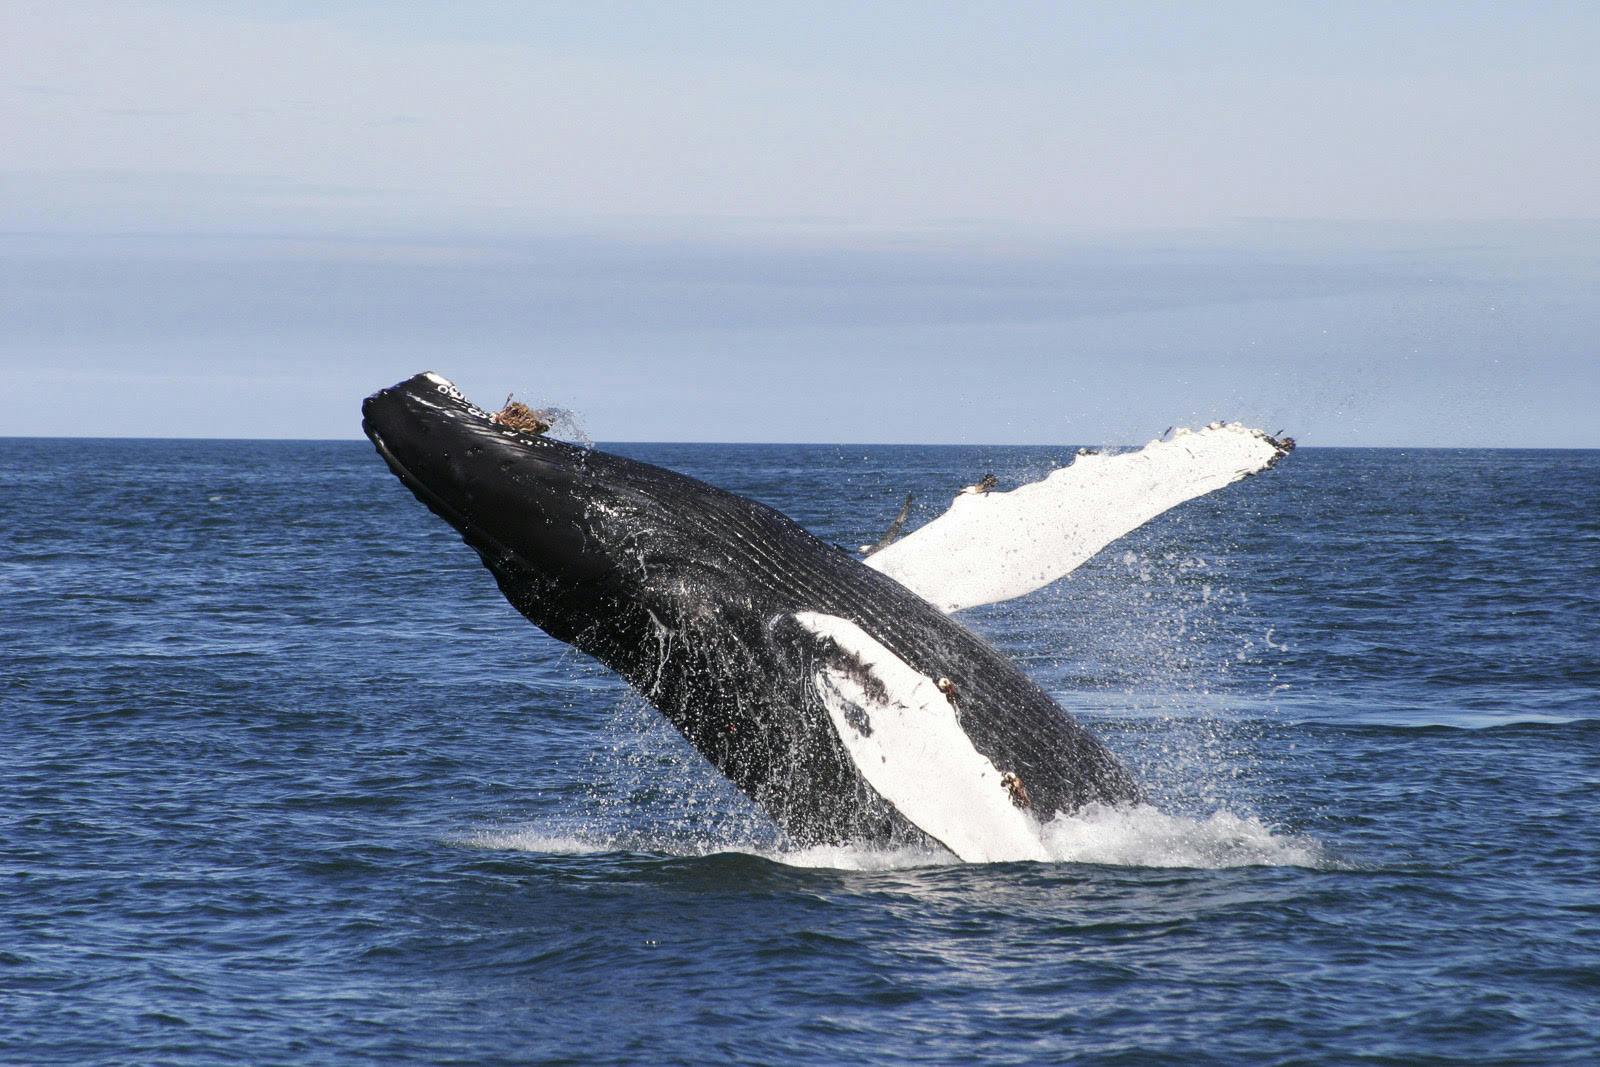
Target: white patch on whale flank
912, 750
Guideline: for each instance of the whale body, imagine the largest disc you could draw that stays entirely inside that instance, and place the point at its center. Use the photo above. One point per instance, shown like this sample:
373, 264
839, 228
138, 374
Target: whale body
848, 707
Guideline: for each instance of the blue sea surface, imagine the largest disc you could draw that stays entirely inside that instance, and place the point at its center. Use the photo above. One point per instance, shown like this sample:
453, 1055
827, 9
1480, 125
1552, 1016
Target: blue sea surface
283, 779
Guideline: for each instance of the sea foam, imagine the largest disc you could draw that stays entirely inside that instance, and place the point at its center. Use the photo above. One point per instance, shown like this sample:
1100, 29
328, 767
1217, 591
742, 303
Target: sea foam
1136, 836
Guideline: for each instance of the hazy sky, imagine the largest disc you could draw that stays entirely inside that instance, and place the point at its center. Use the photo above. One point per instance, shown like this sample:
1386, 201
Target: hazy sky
874, 221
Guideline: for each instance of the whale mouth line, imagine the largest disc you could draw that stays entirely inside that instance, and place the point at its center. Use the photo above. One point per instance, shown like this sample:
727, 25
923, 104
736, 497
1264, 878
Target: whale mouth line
408, 479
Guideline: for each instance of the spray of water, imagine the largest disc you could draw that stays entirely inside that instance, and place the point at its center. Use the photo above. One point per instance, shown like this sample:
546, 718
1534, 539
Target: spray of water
567, 425
651, 794
1140, 643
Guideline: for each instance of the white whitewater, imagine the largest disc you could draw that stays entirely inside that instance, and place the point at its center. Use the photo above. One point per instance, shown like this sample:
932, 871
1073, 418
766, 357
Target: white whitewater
1139, 836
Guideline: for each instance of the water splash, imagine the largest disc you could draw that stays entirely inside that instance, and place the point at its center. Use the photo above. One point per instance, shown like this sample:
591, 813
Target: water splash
1154, 631
1138, 836
1145, 836
567, 425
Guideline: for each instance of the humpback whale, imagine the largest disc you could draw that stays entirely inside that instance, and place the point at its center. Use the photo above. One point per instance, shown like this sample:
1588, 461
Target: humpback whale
839, 694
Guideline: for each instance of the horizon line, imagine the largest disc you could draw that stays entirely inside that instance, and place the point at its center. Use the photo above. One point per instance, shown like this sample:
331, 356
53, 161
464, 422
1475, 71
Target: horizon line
811, 444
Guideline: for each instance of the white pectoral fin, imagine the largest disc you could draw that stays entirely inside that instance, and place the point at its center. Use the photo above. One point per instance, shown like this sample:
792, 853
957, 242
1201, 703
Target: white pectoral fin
906, 739
994, 546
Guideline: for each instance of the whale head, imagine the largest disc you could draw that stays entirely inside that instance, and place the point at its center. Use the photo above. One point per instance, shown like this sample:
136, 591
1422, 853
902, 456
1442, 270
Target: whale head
593, 548
523, 500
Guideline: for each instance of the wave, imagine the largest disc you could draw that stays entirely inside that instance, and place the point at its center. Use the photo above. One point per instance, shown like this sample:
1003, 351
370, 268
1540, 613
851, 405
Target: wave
1137, 836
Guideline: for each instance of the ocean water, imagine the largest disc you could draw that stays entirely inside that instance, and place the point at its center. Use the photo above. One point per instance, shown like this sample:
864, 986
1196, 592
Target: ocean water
284, 780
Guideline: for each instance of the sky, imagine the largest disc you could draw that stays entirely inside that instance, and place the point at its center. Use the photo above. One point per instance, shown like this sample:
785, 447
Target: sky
1363, 224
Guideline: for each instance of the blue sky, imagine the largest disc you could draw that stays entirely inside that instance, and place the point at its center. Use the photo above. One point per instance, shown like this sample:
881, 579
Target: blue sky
1367, 224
